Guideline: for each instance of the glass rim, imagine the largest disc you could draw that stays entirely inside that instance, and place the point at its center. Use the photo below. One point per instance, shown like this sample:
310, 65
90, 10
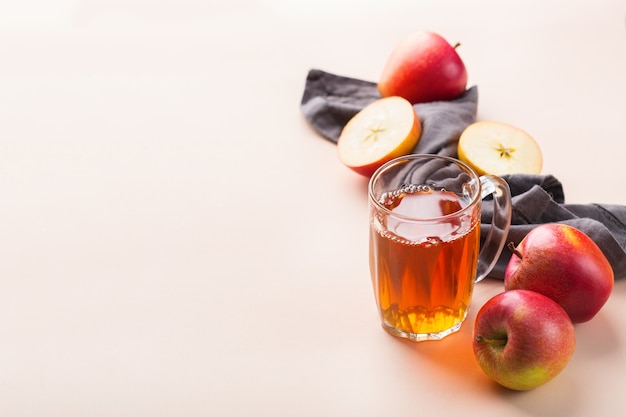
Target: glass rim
395, 161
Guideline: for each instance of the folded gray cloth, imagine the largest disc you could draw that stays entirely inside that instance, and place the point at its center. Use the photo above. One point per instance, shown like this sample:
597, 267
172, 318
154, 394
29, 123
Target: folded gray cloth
330, 101
539, 199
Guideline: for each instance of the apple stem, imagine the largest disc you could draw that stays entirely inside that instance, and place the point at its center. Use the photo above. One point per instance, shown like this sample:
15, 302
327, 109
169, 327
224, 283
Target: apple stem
493, 342
514, 251
456, 45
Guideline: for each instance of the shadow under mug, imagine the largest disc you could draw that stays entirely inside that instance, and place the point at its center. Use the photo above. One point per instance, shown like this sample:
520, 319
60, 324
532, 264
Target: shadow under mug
425, 244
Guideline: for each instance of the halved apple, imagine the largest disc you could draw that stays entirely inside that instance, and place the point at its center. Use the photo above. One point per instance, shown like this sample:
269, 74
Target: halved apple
383, 130
498, 148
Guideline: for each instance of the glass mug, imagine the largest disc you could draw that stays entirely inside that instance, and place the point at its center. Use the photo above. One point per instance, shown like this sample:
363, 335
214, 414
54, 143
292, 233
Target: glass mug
425, 251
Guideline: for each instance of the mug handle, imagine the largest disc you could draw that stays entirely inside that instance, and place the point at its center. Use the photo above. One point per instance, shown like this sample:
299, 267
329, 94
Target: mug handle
500, 223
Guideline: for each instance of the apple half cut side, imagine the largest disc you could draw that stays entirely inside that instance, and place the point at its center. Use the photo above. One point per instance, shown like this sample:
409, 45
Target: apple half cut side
498, 148
385, 129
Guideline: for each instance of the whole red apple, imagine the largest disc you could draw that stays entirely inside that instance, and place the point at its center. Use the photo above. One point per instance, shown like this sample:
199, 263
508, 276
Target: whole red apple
563, 263
523, 339
423, 67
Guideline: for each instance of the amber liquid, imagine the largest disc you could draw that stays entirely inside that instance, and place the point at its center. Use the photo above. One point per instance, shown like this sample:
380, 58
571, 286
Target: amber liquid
423, 274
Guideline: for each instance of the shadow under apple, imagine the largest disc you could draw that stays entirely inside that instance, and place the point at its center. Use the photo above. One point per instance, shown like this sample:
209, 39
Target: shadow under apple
557, 398
454, 357
453, 354
596, 338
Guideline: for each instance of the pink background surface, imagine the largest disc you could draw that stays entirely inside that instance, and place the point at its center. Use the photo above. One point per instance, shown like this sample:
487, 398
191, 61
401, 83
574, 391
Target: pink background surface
177, 241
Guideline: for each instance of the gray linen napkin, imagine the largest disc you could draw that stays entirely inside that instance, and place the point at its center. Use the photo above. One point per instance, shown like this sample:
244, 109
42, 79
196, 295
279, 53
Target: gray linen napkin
329, 101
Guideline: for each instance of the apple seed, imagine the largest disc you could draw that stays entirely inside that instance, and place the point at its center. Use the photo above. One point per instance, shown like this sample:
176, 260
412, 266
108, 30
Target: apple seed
374, 131
504, 151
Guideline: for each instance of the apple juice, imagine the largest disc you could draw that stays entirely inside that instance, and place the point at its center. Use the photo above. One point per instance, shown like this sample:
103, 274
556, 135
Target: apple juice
423, 271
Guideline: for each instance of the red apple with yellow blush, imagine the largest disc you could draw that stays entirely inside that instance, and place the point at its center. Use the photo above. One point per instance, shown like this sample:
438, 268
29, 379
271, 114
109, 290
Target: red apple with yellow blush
522, 339
564, 264
423, 67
